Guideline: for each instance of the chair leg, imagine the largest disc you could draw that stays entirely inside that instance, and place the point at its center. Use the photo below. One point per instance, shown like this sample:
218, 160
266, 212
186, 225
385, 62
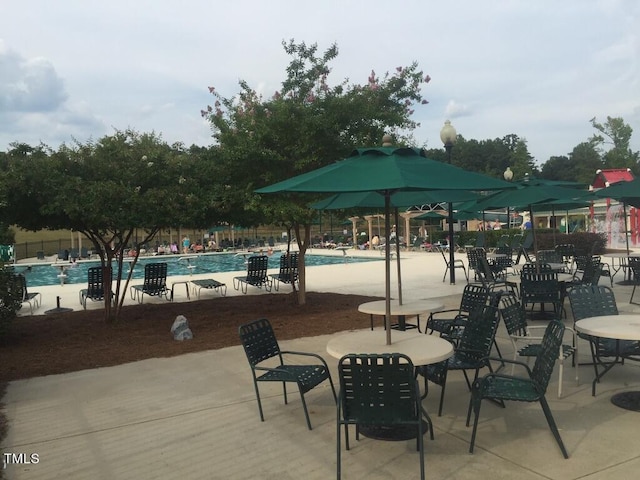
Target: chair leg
475, 405
306, 412
255, 386
632, 294
552, 425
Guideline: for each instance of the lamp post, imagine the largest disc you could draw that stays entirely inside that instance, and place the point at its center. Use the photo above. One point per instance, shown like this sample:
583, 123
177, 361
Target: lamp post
448, 136
508, 176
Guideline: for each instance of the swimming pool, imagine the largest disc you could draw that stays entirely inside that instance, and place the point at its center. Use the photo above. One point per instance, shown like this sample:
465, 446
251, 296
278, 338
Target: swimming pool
38, 275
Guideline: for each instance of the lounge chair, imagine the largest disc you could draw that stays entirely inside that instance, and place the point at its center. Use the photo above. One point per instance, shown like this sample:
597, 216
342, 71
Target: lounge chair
95, 287
208, 284
34, 299
155, 282
256, 274
288, 270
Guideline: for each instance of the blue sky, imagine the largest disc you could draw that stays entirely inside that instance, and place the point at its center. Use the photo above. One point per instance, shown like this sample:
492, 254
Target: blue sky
78, 69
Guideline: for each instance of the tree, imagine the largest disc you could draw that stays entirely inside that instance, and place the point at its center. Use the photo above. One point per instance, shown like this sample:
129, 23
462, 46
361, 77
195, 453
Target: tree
110, 190
559, 168
305, 125
492, 157
617, 134
585, 160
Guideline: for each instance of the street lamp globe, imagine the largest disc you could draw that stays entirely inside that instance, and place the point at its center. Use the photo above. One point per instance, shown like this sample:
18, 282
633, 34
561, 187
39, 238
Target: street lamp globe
448, 135
508, 174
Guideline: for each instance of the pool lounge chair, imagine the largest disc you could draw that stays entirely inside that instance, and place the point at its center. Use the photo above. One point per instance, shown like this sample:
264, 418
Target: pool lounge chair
95, 287
34, 299
288, 270
155, 282
256, 274
208, 284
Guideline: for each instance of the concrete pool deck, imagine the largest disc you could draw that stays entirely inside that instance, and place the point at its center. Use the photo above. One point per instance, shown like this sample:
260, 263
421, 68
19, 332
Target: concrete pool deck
195, 416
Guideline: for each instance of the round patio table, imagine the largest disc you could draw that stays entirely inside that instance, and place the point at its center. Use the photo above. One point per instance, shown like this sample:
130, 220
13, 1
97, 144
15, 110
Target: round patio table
408, 309
617, 327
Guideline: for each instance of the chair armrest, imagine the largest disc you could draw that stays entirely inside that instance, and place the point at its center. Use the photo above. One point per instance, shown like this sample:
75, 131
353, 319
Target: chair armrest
458, 315
506, 360
305, 354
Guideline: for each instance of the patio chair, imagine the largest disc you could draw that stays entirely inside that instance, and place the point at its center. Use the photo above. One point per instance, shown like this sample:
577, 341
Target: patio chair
527, 243
288, 270
470, 353
155, 282
33, 299
450, 323
380, 391
532, 388
591, 271
473, 258
527, 344
95, 287
540, 285
457, 263
208, 284
595, 301
490, 280
256, 274
260, 345
548, 256
567, 252
634, 265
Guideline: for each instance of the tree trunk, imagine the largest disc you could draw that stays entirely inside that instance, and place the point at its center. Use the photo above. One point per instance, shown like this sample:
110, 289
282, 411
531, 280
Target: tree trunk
303, 244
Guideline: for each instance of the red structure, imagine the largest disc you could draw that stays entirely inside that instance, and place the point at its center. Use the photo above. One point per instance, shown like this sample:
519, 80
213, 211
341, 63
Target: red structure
603, 179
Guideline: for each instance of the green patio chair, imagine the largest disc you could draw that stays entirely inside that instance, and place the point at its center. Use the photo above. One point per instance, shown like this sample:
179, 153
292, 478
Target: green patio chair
260, 346
526, 341
532, 388
155, 282
256, 276
470, 353
380, 391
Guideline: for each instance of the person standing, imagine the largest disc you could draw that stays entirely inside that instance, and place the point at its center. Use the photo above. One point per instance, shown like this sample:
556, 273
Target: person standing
186, 244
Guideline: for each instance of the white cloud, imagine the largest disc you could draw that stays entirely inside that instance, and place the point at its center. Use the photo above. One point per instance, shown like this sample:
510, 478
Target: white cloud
539, 70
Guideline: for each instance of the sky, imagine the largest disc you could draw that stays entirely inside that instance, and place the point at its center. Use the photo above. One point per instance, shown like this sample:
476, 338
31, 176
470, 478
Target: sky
81, 69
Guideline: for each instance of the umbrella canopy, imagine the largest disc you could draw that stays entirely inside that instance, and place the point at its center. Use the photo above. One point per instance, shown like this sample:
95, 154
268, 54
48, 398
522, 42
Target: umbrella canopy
625, 192
399, 199
386, 170
528, 195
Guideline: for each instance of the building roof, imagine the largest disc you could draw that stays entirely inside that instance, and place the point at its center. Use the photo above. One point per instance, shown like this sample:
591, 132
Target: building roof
609, 177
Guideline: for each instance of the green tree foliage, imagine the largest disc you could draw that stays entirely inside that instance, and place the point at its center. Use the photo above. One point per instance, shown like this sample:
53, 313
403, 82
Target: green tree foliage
491, 157
109, 189
616, 135
10, 300
305, 125
585, 161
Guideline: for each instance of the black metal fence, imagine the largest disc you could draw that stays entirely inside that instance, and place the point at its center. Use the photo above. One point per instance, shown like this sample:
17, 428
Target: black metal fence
45, 248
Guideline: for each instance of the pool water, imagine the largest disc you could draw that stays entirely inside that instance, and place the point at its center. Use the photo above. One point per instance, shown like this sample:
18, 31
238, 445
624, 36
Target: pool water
41, 275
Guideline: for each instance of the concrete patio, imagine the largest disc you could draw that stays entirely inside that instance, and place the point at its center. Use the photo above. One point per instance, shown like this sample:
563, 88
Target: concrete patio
196, 417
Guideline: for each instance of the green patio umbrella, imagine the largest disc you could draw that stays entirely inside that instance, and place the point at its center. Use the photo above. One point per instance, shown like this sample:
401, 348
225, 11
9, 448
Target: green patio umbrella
625, 192
400, 199
386, 170
527, 196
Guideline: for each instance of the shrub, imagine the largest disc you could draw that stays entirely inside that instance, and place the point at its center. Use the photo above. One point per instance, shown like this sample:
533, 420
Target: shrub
10, 301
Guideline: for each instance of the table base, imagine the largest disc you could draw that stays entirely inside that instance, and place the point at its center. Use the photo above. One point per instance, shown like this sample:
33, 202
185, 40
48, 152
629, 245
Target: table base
394, 433
627, 400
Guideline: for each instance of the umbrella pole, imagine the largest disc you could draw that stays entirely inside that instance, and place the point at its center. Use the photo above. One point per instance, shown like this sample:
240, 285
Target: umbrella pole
535, 239
387, 266
553, 215
626, 233
398, 258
